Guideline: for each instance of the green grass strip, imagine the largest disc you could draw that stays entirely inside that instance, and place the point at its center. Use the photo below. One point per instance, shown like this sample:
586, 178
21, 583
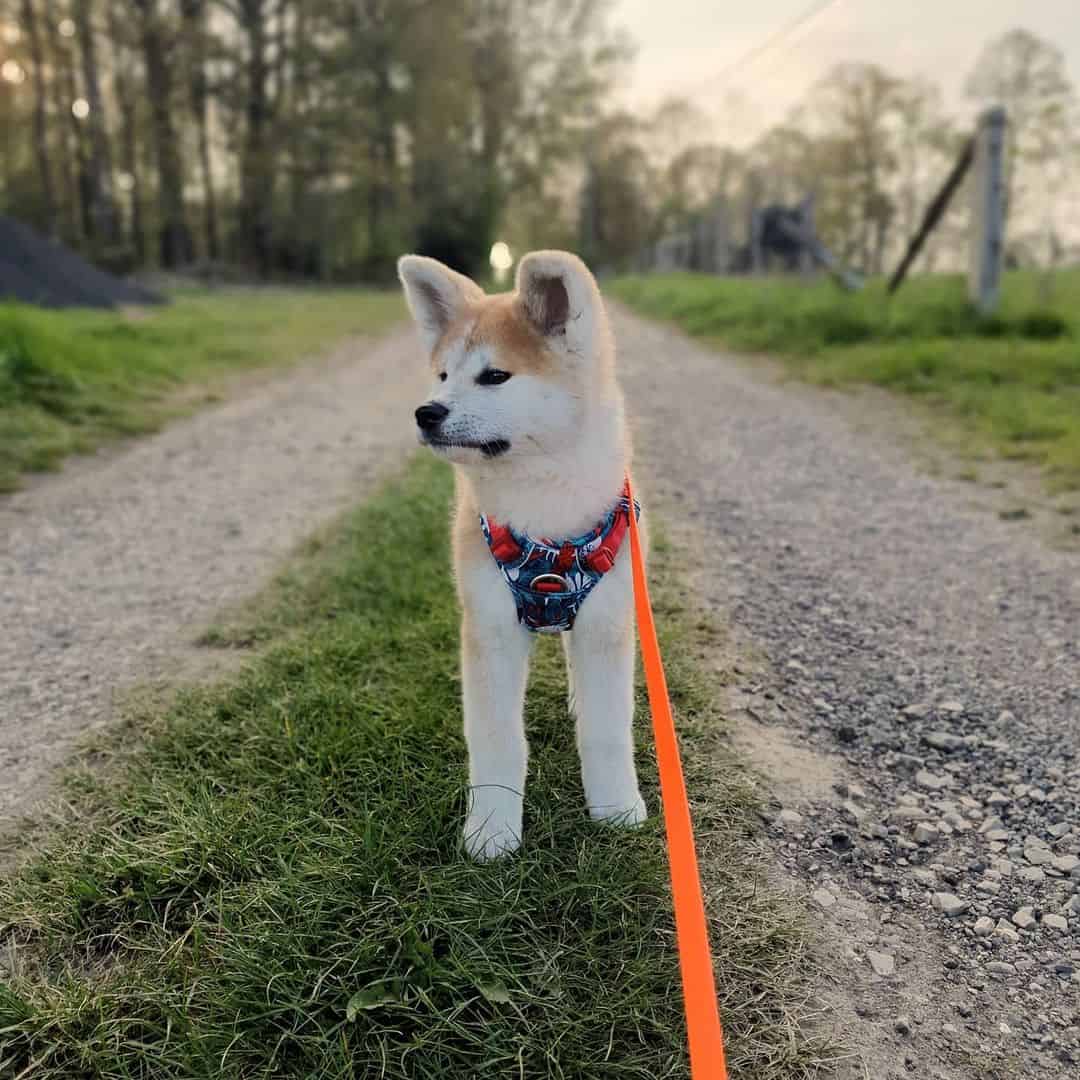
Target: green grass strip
72, 380
1010, 382
270, 883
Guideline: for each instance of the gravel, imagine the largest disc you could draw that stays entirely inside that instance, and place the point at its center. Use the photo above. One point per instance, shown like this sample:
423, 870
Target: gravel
109, 569
926, 648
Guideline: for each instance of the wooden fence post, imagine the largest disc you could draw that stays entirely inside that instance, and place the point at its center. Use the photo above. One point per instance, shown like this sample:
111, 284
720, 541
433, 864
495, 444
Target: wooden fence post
933, 214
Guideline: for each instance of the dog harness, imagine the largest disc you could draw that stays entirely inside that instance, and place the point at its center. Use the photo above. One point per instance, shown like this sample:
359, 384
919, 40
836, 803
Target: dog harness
548, 580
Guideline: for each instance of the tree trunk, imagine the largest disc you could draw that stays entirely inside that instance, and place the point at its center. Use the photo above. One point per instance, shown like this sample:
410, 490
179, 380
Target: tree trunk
72, 163
380, 192
41, 133
129, 135
194, 15
257, 179
174, 236
303, 149
381, 140
99, 174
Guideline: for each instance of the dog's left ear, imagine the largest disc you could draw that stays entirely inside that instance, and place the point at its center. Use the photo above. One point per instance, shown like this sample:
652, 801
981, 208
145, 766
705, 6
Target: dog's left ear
560, 299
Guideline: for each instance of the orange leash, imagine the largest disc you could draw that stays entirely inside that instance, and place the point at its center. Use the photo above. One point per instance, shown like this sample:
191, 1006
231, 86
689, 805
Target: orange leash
704, 1033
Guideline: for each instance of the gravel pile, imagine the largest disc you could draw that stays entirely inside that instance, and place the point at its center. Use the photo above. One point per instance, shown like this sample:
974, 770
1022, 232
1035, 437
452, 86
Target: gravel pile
36, 270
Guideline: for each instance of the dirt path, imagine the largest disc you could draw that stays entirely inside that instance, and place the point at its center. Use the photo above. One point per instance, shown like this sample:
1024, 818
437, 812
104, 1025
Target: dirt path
916, 707
108, 568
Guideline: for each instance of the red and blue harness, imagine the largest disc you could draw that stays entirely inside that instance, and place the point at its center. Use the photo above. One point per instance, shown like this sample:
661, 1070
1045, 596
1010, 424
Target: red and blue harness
549, 581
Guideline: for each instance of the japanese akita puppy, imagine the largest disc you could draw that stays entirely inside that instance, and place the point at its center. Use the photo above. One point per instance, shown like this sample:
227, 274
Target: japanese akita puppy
525, 403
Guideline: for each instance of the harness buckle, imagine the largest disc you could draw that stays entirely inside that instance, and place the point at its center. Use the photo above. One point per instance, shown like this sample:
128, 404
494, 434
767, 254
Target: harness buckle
550, 583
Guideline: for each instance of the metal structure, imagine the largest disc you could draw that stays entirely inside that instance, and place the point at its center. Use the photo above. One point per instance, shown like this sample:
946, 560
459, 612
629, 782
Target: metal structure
987, 211
777, 237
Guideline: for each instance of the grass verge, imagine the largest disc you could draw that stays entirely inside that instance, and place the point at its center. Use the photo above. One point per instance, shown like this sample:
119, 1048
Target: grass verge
1011, 382
71, 380
269, 884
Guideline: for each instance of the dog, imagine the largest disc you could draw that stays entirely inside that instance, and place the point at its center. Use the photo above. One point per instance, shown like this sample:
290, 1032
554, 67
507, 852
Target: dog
525, 404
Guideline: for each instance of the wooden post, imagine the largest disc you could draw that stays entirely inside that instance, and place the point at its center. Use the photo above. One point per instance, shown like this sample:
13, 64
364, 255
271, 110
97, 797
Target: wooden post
933, 214
988, 211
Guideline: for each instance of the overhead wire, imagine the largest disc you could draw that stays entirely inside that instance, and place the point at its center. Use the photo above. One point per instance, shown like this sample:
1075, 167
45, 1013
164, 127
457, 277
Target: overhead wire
775, 40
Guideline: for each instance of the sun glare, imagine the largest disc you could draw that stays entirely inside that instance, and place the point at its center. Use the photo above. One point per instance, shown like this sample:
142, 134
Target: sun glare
501, 258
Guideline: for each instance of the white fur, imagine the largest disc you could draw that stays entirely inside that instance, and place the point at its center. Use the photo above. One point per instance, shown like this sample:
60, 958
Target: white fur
569, 454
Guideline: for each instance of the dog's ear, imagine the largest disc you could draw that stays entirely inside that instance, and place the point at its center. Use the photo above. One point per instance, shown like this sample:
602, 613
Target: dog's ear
560, 299
436, 294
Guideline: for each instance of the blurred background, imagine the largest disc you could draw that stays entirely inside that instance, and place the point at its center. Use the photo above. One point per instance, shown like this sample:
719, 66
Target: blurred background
317, 139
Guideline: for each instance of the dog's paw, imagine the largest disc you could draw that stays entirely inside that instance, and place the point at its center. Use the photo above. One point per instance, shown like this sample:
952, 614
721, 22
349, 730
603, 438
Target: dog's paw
627, 813
491, 836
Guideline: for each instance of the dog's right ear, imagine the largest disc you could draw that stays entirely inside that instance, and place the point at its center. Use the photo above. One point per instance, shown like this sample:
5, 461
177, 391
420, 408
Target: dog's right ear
436, 294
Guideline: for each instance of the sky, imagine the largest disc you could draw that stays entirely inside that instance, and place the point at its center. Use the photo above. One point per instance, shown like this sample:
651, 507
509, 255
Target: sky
685, 47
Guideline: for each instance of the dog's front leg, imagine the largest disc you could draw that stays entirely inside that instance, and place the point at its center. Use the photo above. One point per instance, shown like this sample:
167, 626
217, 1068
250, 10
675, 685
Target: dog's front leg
494, 669
601, 655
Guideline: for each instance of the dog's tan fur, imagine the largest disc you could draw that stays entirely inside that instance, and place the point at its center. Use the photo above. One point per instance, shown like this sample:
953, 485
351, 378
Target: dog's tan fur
499, 322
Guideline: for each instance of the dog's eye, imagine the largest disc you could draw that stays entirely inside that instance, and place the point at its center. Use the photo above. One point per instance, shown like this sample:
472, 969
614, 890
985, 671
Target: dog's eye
442, 376
492, 377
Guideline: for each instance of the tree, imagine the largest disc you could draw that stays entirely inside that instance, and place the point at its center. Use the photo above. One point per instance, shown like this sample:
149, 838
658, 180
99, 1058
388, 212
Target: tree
616, 215
41, 132
125, 46
102, 207
858, 106
193, 15
73, 147
927, 145
1027, 76
174, 236
254, 18
309, 136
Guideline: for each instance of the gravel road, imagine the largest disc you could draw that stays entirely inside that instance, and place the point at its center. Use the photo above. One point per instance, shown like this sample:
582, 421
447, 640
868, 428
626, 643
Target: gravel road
927, 654
109, 568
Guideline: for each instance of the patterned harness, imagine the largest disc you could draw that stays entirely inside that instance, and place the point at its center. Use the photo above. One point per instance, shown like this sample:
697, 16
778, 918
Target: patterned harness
550, 581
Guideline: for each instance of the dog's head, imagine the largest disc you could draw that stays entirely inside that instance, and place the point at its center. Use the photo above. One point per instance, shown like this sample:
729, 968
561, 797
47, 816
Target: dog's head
513, 374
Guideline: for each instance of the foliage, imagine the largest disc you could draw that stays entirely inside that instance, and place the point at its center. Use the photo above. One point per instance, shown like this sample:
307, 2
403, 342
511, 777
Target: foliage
869, 147
1027, 76
301, 137
1012, 380
72, 380
320, 138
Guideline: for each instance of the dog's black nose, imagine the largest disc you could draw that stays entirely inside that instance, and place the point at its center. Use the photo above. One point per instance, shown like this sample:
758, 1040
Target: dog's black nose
431, 415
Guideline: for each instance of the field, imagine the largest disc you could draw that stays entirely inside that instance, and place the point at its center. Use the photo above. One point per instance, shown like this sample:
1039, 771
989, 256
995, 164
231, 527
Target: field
1011, 382
72, 380
266, 880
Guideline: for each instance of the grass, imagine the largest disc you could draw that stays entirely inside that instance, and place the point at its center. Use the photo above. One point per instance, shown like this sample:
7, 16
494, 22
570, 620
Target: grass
72, 380
1011, 381
267, 881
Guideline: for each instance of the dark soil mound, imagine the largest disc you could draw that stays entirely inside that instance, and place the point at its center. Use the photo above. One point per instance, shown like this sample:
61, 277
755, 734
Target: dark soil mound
36, 270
